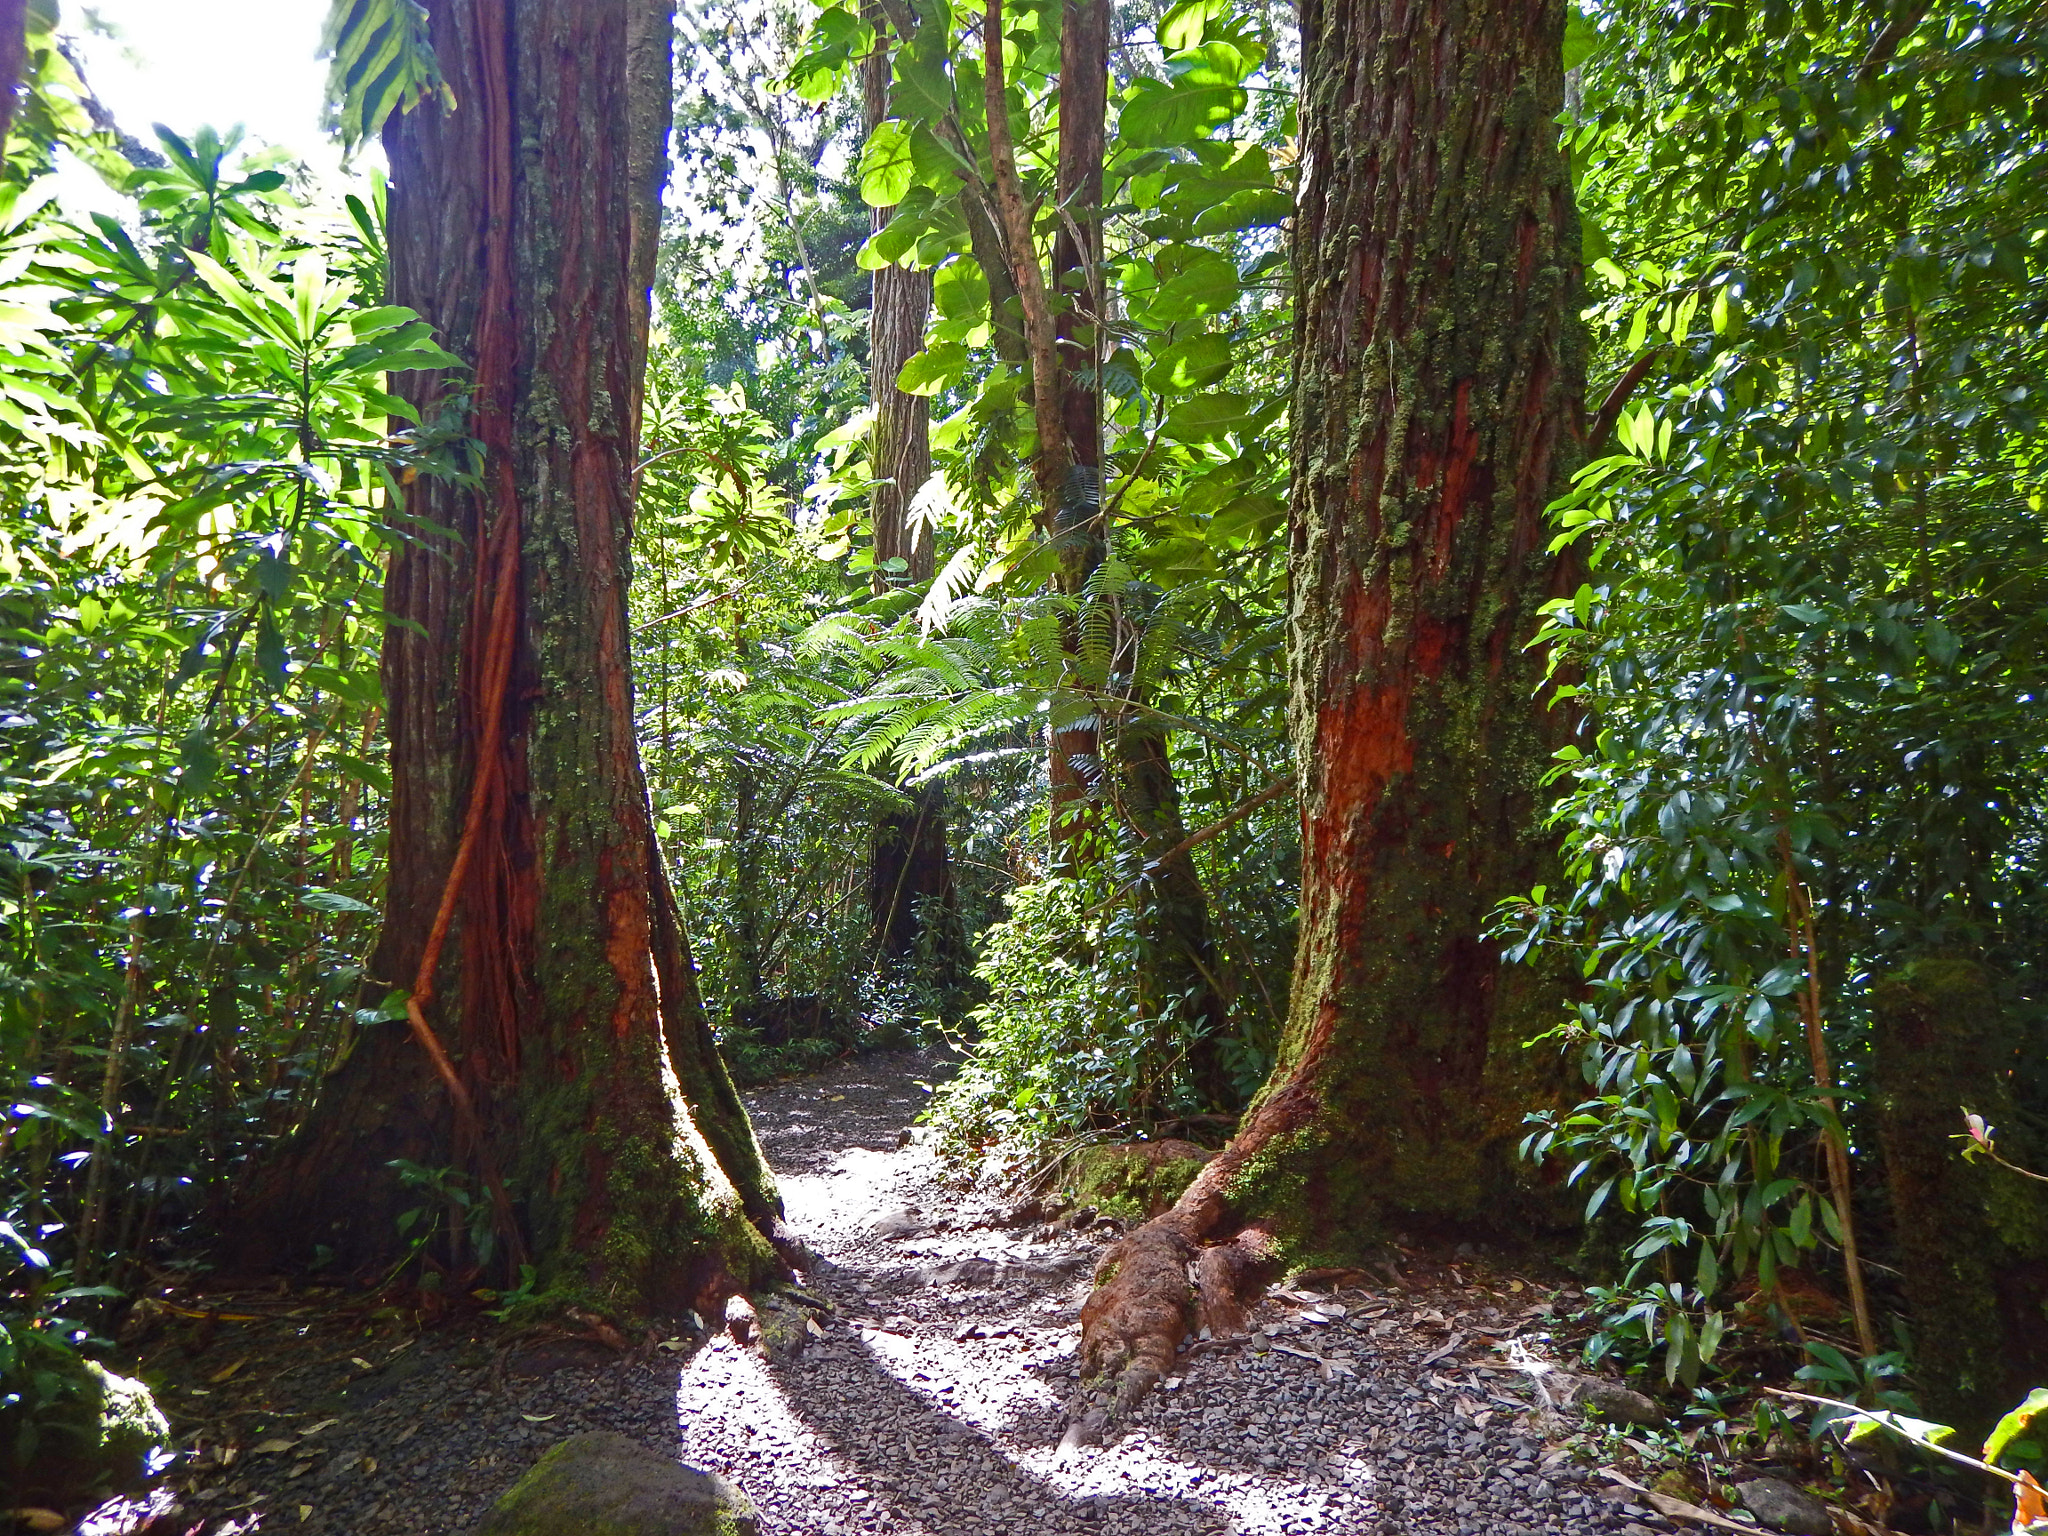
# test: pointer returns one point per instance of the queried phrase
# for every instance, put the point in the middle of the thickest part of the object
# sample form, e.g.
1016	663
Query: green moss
608	1485
1136	1181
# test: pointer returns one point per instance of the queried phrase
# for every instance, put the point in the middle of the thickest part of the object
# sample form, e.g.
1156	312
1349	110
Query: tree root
1145	1302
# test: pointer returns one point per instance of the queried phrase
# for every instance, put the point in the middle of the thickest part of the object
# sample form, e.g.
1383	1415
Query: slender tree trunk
522	226
1439	373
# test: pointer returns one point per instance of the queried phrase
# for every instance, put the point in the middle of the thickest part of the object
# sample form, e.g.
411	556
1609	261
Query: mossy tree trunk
1439	376
1972	1236
521	226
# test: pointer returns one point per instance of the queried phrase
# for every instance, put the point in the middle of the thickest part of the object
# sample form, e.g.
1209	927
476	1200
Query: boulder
1134	1181
1618	1404
606	1485
1782	1507
87	1433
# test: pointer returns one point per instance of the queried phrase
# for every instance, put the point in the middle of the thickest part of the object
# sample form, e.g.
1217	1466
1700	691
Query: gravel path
928	1400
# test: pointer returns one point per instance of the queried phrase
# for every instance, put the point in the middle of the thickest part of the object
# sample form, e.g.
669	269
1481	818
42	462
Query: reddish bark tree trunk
902	453
1439	380
522	226
911	876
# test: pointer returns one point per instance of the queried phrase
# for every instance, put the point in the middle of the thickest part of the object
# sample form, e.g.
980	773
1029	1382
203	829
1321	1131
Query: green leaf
886	167
1193	364
1161	116
923	88
2015	1424
1581	38
381	62
334	901
1257	209
932	369
1184	25
1207	418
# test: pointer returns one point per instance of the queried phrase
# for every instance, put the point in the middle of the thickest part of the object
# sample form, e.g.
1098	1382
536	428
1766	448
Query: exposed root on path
1146	1301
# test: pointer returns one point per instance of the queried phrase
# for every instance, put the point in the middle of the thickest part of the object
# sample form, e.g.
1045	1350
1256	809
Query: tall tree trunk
1177	982
521	225
911	875
1074	744
1439	373
901	449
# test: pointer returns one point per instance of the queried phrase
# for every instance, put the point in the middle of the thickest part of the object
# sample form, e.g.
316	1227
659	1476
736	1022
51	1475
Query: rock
1134	1181
602	1484
98	1432
974	1272
1783	1507
740	1319
784	1327
1619	1404
904	1223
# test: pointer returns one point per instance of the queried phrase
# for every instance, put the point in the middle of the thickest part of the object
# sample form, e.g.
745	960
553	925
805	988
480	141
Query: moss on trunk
1438	383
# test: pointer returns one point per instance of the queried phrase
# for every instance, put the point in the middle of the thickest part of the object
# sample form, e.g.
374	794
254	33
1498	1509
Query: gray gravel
929	1397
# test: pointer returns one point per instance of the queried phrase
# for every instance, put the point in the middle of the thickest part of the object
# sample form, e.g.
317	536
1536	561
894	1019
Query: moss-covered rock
1134	1181
75	1430
608	1485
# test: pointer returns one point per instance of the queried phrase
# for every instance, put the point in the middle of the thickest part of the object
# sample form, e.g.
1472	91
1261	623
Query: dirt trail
928	1399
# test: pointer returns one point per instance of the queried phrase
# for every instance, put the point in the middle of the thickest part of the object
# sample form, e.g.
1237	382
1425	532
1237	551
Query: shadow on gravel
900	1444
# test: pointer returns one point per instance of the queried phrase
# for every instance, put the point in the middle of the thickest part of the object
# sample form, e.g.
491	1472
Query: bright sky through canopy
220	62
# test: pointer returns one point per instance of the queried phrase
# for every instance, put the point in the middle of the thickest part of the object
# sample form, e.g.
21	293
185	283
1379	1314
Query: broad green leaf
932	369
1209	418
1189	365
2015	1424
885	165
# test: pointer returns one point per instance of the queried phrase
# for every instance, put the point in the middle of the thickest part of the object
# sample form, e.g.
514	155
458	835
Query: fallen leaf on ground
228	1370
39	1519
1449	1348
359	1361
537	1418
323	1424
271	1447
305	1513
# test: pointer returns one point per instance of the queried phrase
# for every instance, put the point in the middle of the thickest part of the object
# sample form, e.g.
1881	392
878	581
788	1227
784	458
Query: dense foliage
1811	639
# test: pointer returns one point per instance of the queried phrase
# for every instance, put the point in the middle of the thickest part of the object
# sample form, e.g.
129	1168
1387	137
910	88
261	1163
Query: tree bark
1439	375
1074	517
901	445
522	225
911	884
13	59
911	875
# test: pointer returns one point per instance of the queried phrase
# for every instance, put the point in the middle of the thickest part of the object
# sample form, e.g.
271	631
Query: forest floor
928	1398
